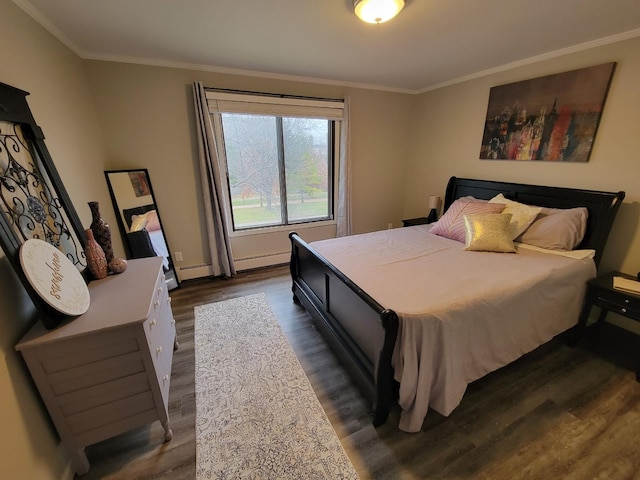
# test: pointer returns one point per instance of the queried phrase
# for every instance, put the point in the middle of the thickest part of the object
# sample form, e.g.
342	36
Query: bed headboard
128	213
602	206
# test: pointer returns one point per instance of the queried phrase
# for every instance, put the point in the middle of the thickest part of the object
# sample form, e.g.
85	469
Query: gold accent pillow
488	232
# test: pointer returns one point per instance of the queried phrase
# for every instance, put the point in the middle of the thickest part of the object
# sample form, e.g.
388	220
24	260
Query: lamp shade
377	11
434	202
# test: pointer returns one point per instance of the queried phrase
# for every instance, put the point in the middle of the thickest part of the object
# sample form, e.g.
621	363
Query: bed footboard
360	331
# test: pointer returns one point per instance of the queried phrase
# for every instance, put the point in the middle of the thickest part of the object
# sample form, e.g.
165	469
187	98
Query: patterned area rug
257	416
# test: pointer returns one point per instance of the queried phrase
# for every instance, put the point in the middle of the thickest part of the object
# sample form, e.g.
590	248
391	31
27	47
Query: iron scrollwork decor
27	199
33	200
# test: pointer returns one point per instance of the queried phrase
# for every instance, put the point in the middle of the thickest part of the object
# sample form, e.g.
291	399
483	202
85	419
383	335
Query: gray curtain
344	177
219	243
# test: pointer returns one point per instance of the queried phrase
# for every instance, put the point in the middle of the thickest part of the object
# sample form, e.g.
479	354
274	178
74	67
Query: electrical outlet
389	226
178	256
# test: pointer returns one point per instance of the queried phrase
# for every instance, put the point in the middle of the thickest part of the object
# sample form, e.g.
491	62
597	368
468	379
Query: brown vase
96	260
101	231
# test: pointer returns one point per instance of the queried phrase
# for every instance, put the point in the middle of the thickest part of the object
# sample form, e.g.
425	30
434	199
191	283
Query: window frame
284	107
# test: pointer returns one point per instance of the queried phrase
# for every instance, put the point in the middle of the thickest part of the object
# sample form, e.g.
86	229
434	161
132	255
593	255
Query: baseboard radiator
247	263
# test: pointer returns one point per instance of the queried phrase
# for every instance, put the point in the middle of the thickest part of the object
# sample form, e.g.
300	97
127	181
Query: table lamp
434	205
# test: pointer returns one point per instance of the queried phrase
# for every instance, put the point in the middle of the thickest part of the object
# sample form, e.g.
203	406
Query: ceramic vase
96	260
117	265
101	231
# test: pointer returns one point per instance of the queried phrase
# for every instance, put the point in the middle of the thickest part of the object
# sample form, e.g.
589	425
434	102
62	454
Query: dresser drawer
160	310
161	348
159	293
160	333
619	303
160	317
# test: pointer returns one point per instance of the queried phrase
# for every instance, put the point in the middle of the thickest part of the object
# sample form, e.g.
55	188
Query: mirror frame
15	109
119	214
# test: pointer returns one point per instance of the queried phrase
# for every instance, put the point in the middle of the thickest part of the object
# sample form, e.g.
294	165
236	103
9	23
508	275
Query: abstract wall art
551	118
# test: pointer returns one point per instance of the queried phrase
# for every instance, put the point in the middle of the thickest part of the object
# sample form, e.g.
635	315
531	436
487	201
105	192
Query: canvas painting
139	183
552	118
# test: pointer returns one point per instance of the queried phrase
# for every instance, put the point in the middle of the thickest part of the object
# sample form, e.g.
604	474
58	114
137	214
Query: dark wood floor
557	413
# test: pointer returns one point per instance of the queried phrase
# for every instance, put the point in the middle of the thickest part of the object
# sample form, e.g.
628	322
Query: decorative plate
54	277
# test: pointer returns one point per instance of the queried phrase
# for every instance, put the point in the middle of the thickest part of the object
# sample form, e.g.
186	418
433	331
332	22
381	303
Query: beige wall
404	148
147	117
447	131
61	103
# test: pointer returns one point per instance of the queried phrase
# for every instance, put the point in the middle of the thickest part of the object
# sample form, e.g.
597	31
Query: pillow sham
521	215
557	229
153	223
488	232
138	222
451	224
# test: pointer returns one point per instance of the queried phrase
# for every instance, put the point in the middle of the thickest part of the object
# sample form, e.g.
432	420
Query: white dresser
107	371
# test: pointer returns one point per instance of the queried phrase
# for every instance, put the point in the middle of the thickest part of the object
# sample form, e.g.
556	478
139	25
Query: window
278	155
279	169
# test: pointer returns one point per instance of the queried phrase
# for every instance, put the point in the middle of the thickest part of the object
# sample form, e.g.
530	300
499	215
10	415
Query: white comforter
462	314
160	246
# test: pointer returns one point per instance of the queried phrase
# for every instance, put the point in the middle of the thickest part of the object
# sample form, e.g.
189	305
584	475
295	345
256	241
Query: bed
145	236
413	322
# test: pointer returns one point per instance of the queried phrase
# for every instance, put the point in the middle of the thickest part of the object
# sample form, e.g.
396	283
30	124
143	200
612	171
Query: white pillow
521	215
557	229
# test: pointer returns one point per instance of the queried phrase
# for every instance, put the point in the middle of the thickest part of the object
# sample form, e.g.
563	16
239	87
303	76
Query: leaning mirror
139	219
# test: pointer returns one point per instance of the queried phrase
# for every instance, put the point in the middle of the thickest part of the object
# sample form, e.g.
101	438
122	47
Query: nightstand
600	293
410	222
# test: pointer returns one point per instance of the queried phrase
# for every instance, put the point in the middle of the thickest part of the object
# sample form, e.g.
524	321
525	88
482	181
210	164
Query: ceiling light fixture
377	11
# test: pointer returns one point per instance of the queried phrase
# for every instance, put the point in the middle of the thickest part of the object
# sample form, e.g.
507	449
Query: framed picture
552	118
139	183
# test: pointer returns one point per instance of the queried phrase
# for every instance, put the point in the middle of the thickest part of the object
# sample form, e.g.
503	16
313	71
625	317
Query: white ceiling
430	43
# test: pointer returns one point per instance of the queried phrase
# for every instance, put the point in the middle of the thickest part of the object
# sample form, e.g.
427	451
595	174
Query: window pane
252	159
306	154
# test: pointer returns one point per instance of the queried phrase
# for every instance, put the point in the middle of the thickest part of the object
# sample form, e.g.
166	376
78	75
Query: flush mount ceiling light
377	11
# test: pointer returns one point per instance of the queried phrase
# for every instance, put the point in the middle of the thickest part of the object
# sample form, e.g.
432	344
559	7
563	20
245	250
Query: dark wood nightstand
600	293
410	222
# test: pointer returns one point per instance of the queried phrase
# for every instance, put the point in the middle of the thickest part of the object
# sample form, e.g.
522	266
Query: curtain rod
274	95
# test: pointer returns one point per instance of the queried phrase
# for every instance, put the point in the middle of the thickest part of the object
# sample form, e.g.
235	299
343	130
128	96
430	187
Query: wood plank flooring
557	413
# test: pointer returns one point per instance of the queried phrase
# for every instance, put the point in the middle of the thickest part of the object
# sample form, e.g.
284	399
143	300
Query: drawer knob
623	310
168	299
173	322
153	322
626	300
158	350
165	378
159	290
156	304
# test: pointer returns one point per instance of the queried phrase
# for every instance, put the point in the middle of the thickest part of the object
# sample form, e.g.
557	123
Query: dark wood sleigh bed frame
363	333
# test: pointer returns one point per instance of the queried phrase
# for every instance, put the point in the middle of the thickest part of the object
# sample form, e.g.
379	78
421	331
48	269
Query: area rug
257	416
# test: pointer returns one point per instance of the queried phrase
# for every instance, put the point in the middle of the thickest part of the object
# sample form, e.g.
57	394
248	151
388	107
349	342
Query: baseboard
203	271
194	271
68	473
263	261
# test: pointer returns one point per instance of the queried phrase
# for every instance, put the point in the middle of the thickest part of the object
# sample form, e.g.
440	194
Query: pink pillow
451	224
153	223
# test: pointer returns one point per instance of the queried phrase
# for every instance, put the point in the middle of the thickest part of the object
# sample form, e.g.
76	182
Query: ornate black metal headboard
33	200
602	206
